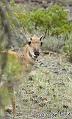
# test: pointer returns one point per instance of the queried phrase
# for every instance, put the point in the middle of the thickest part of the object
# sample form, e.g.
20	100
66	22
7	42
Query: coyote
28	56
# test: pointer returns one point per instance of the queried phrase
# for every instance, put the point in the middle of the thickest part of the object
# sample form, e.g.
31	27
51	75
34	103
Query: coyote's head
34	47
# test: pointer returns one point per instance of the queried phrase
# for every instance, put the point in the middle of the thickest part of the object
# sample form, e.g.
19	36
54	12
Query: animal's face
35	44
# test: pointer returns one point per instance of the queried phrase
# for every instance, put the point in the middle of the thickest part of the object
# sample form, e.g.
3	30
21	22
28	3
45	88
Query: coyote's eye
29	42
41	43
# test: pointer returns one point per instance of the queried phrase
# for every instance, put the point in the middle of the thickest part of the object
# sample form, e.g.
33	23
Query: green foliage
68	47
13	68
23	18
4	96
53	20
37	16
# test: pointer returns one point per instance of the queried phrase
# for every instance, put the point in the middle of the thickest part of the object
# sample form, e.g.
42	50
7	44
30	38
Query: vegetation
9	66
68	47
13	68
53	22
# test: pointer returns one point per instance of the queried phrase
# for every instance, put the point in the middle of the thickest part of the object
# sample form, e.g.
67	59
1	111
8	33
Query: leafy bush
53	20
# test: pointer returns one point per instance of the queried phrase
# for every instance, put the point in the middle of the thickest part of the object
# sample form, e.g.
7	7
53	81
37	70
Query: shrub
13	67
53	44
53	20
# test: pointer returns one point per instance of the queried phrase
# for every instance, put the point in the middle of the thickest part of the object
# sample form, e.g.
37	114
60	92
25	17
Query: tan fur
27	60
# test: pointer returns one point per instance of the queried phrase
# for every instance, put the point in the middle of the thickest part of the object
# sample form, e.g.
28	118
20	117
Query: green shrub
4	96
12	68
53	20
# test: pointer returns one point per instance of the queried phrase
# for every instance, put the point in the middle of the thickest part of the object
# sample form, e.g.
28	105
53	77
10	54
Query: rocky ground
46	93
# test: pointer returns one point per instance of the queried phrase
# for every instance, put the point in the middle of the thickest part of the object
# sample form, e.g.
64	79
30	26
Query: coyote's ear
41	38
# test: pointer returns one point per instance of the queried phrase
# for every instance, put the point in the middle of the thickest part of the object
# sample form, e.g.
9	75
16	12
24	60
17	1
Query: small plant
68	47
12	68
